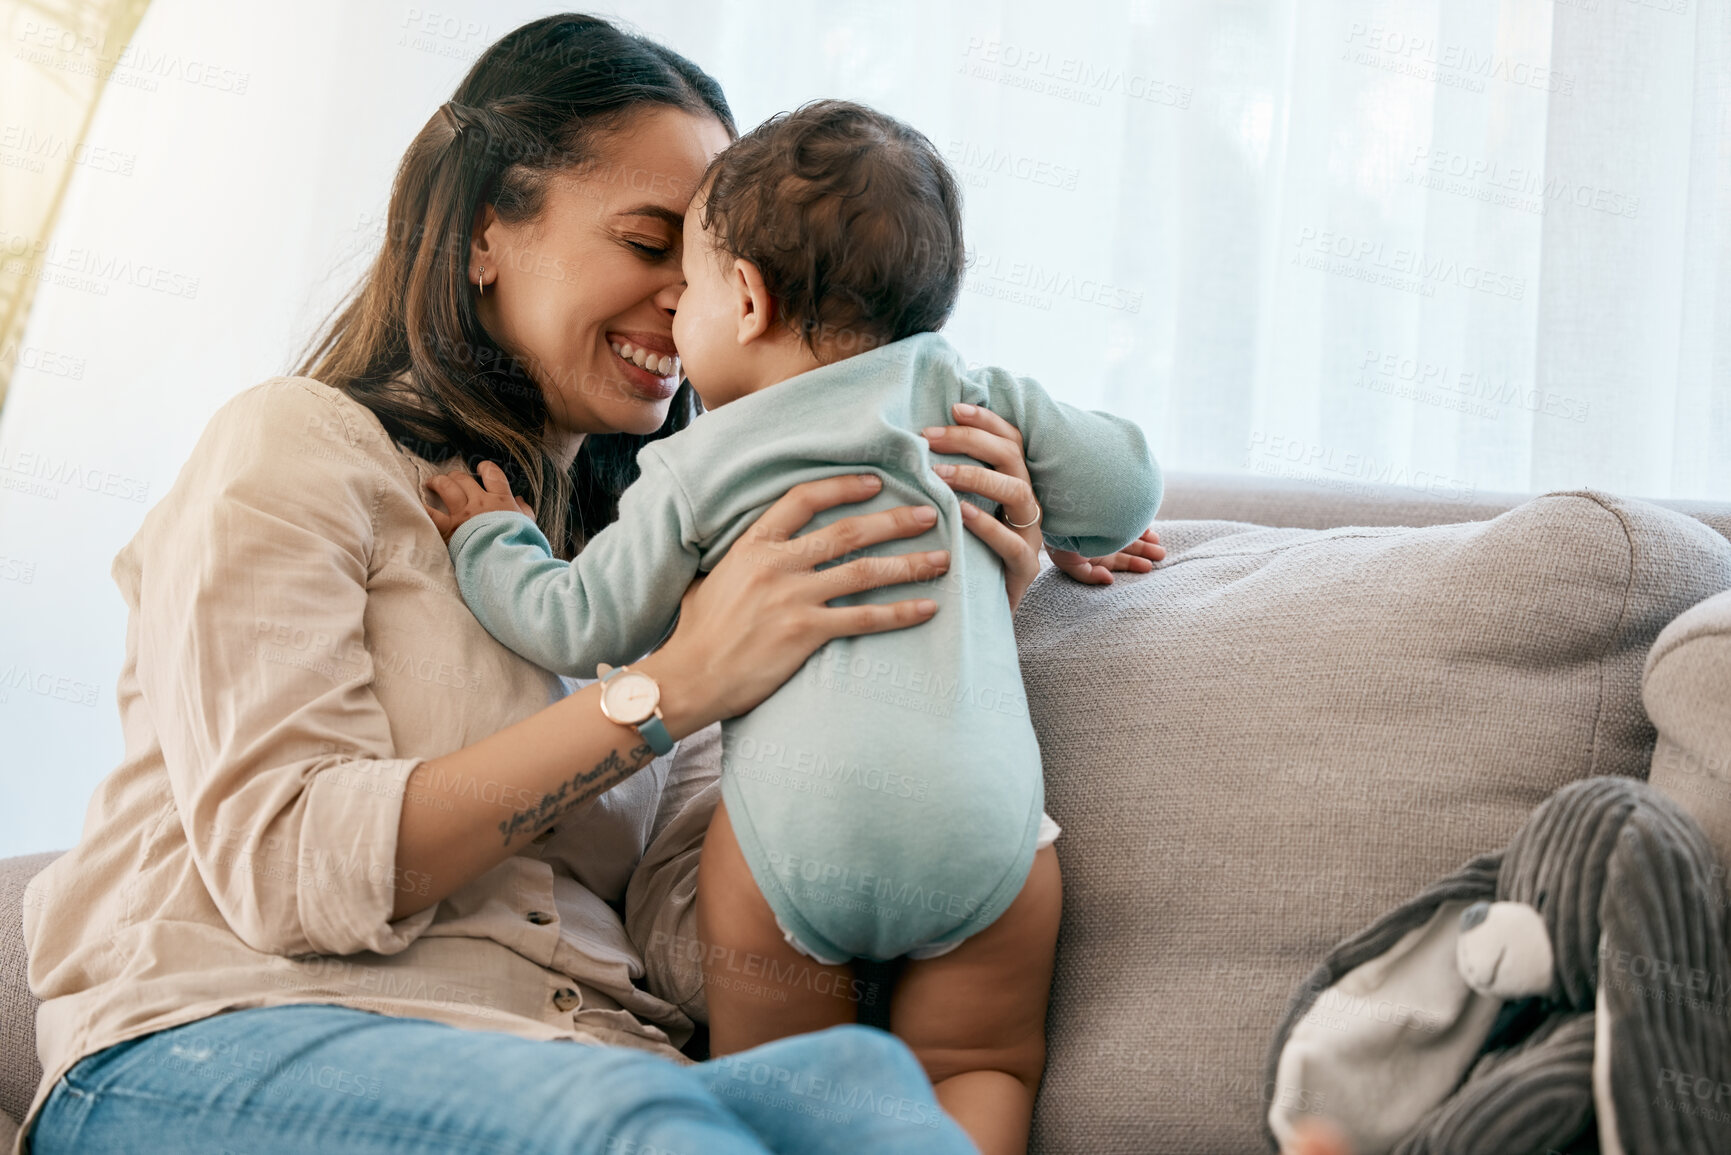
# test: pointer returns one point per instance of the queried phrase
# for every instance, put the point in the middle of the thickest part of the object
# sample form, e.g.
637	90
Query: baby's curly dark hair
852	217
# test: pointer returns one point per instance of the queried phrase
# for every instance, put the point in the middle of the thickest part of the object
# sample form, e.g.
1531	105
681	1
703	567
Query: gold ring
1038	514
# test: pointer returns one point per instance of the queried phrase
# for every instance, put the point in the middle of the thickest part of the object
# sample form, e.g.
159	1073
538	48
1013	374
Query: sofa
1325	698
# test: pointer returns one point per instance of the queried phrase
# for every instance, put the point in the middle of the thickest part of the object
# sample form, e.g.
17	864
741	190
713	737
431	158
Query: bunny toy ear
1384	1029
1662	1059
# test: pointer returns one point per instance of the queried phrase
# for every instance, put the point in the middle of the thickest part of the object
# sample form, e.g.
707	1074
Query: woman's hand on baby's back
464	498
751	622
1004	478
983	435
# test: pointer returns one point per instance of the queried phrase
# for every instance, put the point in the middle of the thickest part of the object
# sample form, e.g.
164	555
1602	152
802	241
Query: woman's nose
668	298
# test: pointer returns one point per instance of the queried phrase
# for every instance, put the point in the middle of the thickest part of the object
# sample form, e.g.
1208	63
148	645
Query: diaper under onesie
888	797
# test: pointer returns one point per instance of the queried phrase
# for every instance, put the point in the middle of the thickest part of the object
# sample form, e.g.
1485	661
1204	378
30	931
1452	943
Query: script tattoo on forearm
575	791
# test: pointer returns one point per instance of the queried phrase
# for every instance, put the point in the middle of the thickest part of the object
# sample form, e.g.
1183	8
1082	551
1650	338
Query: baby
886	802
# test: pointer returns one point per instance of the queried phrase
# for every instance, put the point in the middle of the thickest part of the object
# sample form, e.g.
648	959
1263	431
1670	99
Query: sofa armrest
1687	693
19	1069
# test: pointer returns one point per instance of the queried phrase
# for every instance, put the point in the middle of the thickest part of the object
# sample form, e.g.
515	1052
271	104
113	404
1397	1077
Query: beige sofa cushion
1278	735
1687	691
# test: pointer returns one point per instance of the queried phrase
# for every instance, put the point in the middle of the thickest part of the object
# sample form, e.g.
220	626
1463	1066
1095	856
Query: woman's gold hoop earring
481	279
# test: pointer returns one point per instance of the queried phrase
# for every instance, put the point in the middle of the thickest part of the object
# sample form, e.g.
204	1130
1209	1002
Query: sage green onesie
888	796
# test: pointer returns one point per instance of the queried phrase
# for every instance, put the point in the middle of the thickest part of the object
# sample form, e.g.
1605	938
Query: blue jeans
315	1077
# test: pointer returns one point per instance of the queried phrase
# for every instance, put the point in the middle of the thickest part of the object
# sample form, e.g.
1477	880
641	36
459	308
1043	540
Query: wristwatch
632	698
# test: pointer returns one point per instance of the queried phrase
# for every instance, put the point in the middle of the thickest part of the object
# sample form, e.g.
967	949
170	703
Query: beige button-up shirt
295	646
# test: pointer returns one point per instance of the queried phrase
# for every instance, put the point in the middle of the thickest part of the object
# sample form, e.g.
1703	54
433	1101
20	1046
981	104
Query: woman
361	865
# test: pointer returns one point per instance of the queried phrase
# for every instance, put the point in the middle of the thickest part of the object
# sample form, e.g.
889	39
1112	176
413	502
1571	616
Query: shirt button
539	918
566	999
544	835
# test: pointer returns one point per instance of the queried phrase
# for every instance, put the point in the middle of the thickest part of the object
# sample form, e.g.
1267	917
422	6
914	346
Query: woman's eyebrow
659	212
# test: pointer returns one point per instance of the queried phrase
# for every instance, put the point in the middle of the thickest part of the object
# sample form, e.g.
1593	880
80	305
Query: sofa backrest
1303	504
1280	734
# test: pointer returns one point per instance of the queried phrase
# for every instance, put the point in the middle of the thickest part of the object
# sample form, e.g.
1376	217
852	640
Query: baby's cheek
687	342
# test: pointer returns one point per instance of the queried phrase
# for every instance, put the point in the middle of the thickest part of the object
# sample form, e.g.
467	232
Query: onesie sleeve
1096	480
611	603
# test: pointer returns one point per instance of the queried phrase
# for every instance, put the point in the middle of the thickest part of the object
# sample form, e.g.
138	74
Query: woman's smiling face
584	293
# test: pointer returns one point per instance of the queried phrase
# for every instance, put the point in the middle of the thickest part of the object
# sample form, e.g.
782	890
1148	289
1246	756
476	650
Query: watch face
631	698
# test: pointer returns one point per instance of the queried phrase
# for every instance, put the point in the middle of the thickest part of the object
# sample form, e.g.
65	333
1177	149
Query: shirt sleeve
251	660
611	603
1096	480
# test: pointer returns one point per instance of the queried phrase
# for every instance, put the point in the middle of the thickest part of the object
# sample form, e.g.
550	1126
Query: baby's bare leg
976	1017
758	987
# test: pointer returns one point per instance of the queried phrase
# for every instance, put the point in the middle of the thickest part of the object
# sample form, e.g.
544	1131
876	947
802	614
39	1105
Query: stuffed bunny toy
1571	993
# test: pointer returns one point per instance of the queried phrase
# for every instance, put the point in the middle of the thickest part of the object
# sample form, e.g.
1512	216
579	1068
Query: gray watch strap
655	734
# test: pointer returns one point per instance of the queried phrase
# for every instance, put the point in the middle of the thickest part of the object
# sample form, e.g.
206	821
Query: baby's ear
755	307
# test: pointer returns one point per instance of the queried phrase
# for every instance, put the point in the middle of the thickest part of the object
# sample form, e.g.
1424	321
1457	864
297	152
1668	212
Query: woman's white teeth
644	359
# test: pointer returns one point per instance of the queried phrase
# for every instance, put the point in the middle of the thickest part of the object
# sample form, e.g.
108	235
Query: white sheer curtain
1456	245
1459	245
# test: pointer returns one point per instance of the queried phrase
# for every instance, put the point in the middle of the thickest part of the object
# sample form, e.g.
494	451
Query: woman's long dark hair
531	105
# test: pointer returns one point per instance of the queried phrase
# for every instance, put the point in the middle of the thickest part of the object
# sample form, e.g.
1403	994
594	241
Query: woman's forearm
466	811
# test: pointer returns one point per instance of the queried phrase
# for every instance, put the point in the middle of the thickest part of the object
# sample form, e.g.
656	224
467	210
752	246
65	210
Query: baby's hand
1137	557
464	499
